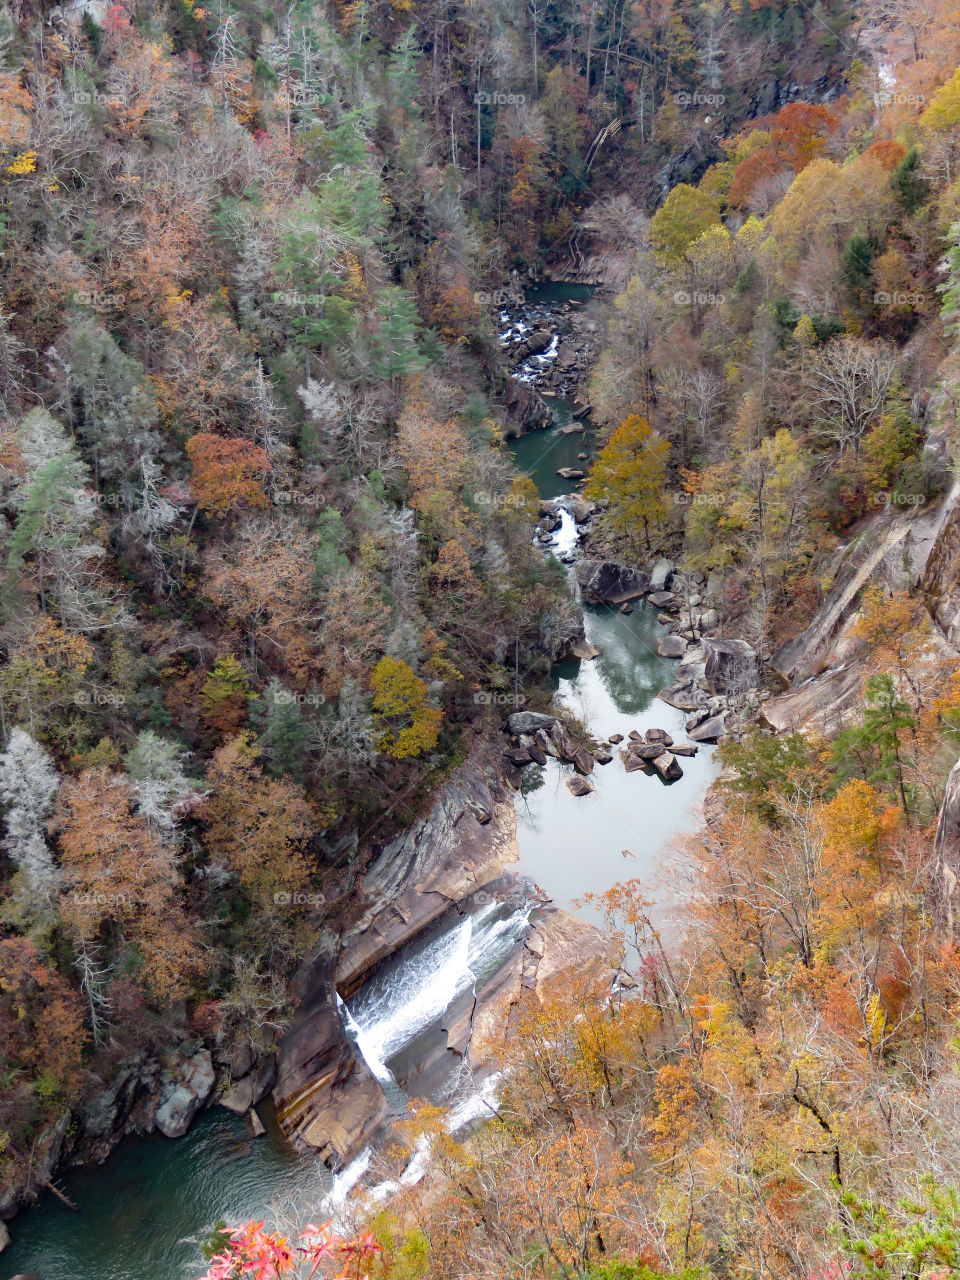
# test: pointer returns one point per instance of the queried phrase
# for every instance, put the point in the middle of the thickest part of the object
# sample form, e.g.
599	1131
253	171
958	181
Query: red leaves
266	1255
226	473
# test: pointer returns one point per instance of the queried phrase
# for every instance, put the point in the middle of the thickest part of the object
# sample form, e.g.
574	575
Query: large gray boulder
660	574
667	767
710	730
732	666
607	582
519	722
185	1087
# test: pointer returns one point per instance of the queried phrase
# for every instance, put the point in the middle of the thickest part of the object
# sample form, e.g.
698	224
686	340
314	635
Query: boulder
671	646
603	755
248	1091
538	341
709	619
547	743
255	1125
659	735
526	409
665	600
583	649
570	473
616	738
184	1088
648	750
579	786
660	573
732	666
667	767
710	730
684	749
684	694
519	722
518	756
632	762
583	761
582	510
607	582
4	1236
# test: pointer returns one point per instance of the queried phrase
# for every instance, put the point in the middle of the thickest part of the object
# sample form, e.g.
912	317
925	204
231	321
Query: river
144	1211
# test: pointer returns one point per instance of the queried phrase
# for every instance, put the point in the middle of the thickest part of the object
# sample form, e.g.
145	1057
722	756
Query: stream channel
143	1213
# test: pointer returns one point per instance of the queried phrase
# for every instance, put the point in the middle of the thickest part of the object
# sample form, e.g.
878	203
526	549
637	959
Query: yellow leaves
410	725
24	162
858	819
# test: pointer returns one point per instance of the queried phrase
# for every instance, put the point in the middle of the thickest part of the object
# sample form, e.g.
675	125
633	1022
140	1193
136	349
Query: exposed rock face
184	1087
462	844
607	582
900	550
946	852
325	1095
731	666
527	411
826	703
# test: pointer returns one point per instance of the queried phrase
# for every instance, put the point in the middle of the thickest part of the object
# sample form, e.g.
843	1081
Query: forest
270	579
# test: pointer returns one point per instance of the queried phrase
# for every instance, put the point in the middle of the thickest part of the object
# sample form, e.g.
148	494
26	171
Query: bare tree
846	383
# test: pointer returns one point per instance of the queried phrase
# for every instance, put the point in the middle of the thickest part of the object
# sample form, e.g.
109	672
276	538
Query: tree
121	889
227	474
874	749
409	725
685	214
848	381
257	827
28	788
630	473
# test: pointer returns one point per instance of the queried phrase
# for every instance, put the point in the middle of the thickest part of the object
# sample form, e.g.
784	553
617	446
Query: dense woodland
252	413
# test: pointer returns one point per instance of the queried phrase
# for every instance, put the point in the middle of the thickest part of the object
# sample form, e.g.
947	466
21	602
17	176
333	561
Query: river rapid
143	1213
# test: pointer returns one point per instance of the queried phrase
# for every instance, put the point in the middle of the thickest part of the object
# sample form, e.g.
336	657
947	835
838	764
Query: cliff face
946	852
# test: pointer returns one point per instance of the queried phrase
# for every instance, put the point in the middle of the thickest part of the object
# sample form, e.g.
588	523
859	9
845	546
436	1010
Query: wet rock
632	762
582	510
710	730
255	1124
603	755
648	750
671	646
732	666
660	573
615	738
583	649
525	408
667	767
665	600
570	473
248	1091
522	722
635	735
607	582
184	1088
583	761
684	749
659	735
538	341
626	608
579	786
